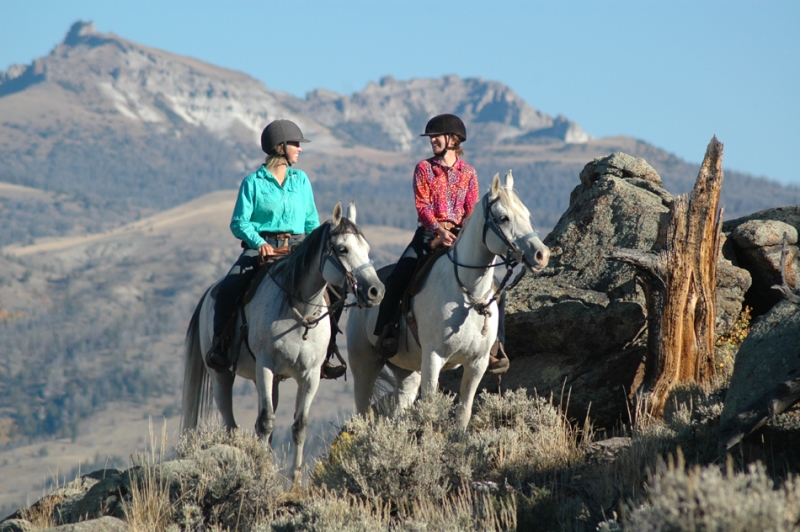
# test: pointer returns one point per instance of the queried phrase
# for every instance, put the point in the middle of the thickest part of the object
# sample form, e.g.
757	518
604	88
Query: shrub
516	437
706	498
227	479
414	455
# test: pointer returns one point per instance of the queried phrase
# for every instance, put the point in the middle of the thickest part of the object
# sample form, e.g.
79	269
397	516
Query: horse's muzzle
369	295
537	258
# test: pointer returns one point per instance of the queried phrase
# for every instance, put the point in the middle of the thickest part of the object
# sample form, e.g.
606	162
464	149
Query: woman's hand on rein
265	251
448	238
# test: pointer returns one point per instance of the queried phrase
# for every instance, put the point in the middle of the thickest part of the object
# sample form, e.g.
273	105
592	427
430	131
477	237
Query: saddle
414	287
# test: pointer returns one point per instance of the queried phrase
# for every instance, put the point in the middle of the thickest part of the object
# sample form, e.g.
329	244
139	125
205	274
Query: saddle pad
415	287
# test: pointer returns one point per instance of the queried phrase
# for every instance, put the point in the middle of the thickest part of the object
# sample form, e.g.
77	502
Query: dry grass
149	508
233	483
42	515
429	471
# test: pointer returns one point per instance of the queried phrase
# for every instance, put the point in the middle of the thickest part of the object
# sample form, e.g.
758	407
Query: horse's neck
469	250
312	288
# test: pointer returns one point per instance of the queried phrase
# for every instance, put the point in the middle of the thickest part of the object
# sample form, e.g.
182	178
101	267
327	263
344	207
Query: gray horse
455	315
288	328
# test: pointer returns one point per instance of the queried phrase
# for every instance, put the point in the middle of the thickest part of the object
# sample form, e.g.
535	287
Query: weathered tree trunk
680	279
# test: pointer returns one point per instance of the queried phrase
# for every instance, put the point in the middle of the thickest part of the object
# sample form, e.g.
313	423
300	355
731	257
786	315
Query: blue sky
671	73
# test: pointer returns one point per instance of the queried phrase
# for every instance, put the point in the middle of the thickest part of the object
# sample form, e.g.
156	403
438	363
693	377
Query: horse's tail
195	377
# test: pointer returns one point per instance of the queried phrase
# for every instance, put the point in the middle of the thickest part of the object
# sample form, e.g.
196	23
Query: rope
482	305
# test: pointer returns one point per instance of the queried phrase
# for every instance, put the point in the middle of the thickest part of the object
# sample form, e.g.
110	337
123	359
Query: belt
278	240
449	225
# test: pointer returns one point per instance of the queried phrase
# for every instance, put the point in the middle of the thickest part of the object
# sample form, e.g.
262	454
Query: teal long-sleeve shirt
265	206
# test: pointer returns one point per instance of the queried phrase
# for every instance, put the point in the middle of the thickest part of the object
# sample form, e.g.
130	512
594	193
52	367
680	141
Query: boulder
102	497
732	285
577	330
768	356
756	245
15	525
102	524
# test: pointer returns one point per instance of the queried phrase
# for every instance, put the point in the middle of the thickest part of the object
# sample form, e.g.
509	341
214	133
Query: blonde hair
276	157
457	149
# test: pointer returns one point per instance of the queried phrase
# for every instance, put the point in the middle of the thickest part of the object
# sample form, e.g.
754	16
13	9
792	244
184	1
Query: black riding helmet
280	132
447	125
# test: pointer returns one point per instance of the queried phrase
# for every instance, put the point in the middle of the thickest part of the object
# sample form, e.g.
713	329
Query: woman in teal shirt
274	210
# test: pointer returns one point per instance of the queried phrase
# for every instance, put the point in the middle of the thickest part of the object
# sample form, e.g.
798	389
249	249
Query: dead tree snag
680	276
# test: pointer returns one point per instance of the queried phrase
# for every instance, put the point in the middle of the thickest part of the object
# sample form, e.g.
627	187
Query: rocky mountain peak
390	114
79	32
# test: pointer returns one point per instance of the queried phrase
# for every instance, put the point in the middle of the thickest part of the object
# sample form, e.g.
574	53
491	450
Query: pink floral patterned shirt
444	194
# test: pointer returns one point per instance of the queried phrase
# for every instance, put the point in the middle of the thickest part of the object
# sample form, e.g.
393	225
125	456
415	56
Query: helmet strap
286	154
446	147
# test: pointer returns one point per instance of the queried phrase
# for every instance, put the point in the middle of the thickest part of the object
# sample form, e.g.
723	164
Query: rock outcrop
577	330
768	356
755	244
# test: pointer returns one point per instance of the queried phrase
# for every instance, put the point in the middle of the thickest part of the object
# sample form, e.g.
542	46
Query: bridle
481	305
491	222
328	254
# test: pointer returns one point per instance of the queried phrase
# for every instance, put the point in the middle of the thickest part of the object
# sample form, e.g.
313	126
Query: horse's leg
222	384
469	385
306	390
431	367
365	364
265	422
407	386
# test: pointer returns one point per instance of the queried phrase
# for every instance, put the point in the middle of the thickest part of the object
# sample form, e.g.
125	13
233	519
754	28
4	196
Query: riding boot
328	370
229	291
396	285
498	360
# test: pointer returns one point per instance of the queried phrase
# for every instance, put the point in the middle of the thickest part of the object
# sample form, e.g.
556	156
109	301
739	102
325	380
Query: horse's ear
509	180
495	185
336	219
351	211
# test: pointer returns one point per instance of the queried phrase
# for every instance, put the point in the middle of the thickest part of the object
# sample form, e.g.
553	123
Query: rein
351	286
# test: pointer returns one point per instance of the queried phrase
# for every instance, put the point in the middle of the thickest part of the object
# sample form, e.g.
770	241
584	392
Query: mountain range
117	131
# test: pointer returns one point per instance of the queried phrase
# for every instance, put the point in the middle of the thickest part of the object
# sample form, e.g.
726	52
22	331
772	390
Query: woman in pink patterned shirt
445	192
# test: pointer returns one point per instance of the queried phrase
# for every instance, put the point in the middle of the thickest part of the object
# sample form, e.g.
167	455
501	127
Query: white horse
288	328
454	326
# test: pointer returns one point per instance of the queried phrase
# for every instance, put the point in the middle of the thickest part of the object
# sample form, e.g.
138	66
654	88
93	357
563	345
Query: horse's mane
510	199
512	202
293	269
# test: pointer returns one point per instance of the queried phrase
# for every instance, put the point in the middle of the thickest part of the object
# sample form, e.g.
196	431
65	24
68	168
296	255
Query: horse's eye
343	250
504	219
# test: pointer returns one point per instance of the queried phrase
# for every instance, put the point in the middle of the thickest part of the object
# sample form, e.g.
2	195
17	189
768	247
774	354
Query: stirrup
216	358
328	370
498	360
